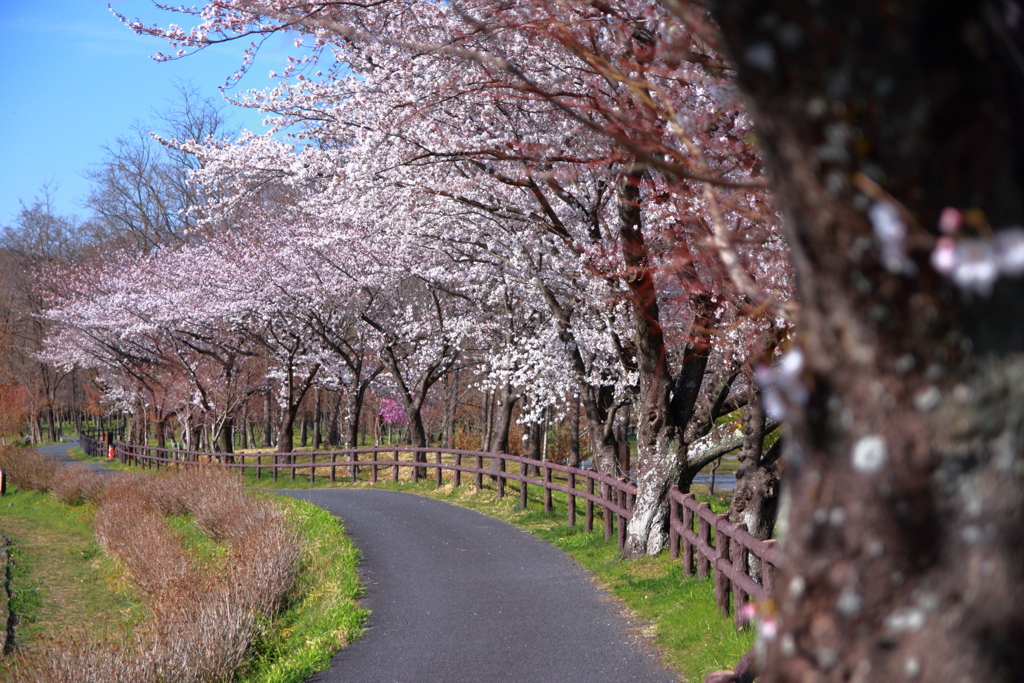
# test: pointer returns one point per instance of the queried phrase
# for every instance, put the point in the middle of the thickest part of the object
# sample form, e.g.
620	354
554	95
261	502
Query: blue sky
75	78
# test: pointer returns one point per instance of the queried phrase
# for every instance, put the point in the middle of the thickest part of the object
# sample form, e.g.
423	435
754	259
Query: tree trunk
286	431
663	409
504	405
333	433
161	432
756	495
227	439
905	467
355	414
268	419
486	426
318	417
574	431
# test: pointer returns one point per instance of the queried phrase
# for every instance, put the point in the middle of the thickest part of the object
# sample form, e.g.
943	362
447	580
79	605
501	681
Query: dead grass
26	469
203	623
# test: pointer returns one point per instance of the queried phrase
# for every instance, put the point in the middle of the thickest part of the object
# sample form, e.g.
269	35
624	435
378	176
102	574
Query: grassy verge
322	614
62	579
82	610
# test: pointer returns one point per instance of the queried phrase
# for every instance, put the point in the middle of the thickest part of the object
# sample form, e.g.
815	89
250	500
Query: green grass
203	550
62	579
323	614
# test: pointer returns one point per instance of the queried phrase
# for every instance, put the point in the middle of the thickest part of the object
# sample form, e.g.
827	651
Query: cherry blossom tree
598	182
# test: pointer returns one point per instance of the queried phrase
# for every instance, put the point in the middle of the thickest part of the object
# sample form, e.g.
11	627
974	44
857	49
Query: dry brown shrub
264	549
132	529
74	484
73	659
28	470
163	493
202	625
201	635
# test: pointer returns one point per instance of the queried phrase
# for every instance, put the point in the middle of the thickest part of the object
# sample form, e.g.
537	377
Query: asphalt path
59	453
723	482
459	597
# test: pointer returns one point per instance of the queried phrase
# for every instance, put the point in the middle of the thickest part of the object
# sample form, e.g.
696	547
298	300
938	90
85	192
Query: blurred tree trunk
905	466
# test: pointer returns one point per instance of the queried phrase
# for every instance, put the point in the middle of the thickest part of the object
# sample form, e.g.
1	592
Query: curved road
459	597
59	452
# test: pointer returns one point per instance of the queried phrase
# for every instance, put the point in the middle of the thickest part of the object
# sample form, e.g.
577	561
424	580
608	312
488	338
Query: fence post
741	564
394	468
673	515
547	489
524	470
768	571
437	470
312	468
277	461
501	479
571	485
334	461
373	467
354	468
457	473
414	469
621	519
589	506
479	473
606	494
688	524
722	556
704	536
292	461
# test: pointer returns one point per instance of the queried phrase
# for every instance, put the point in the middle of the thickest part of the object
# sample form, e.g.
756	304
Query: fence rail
743	566
92	445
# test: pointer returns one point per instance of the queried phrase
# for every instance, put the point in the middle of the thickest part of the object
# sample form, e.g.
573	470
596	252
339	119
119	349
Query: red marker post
110	452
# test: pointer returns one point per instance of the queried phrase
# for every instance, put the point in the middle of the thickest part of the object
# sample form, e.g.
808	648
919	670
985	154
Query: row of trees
589	227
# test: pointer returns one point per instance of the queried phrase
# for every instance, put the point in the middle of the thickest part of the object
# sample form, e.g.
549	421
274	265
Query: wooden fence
93	444
743	567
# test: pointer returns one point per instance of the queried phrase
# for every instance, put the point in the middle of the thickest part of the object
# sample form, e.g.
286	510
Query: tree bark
318	417
227	439
664	405
574	431
161	432
333	433
268	418
504	404
755	498
905	467
356	410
